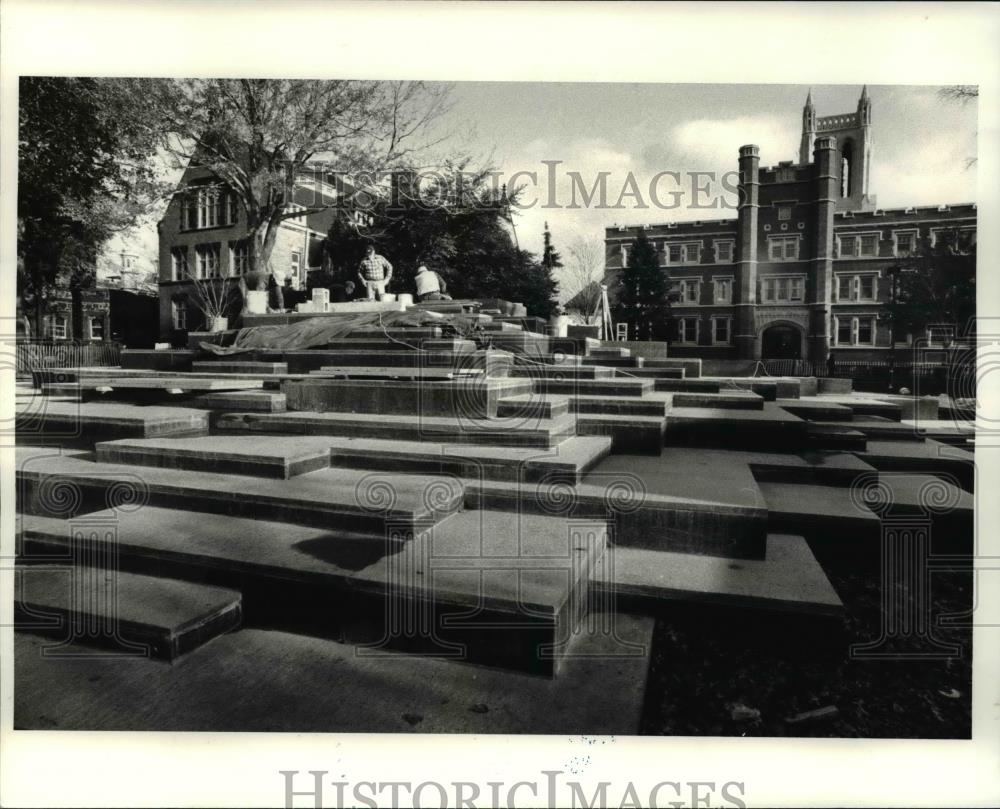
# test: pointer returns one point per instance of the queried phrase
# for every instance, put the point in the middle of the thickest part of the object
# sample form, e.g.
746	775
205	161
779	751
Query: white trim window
682	253
722	330
178	313
687	330
854	330
239	257
782	248
904	242
966	236
940	335
784	213
857	288
207	260
722	289
296	265
725	251
690	291
96	327
782	288
179	263
858	245
207	207
56	327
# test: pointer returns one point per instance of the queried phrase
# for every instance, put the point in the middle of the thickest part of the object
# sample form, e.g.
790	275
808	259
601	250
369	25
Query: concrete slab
318	685
835	385
87	422
492	587
157	360
562	372
829	468
768	428
281	457
594	387
652	404
691	365
569	461
874	427
629	434
500	431
385	345
864	405
819	511
816	409
239	367
742	400
789	579
529	405
138	614
244	401
327	498
651	373
929	457
832	436
687	385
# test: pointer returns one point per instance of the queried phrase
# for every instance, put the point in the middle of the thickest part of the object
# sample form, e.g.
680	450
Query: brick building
203	235
805	266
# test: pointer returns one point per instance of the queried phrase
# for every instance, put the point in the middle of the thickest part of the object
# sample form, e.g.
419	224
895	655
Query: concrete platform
687	385
831	436
816	409
628	433
318	685
386	345
158	360
500	431
563	372
83	423
532	406
789	579
326	498
691	365
239	367
281	457
484	586
825	467
243	401
863	405
650	373
884	429
140	615
747	400
929	457
652	404
568	462
768	428
594	387
826	512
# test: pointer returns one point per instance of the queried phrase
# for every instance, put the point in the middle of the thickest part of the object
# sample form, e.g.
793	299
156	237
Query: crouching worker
375	273
430	285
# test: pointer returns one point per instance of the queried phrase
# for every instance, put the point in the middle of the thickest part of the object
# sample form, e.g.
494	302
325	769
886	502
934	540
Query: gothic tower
852	133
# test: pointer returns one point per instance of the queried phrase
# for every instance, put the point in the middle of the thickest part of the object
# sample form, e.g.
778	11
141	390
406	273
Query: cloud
713	143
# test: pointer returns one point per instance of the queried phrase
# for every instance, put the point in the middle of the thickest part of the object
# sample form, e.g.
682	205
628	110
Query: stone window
783	248
861	287
720	330
855	330
690	291
869	245
96	328
179	263
905	242
686	253
178	311
207	207
207	260
296	265
723	290
782	289
784	213
239	257
57	327
687	330
724	252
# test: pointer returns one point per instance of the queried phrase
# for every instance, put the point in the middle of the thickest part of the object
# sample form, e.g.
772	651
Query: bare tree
961	94
582	276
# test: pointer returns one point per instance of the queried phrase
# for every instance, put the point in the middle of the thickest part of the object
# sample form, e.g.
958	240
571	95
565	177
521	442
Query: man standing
375	273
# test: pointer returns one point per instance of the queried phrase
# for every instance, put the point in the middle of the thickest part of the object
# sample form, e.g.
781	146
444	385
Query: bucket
406	299
388	297
559	325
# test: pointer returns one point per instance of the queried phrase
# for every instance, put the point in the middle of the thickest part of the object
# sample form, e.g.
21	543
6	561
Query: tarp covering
316	332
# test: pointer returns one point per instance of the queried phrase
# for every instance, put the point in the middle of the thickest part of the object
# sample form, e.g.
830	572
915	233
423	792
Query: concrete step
927	457
531	406
886	429
691	365
861	405
84	423
652	404
830	513
651	373
788	579
598	353
234	367
471	398
318	685
614	362
158	360
815	409
629	434
139	615
562	372
594	387
326	498
824	467
686	385
280	457
741	400
458	430
350	344
567	462
243	401
768	428
770	389
306	361
650	502
489	587
835	436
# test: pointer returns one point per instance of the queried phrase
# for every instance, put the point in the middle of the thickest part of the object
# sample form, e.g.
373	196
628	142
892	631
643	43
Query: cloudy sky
921	146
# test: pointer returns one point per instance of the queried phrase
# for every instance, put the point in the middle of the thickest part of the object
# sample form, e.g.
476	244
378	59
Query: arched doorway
781	342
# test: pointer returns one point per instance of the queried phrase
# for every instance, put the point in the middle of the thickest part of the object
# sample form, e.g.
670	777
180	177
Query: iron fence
32	355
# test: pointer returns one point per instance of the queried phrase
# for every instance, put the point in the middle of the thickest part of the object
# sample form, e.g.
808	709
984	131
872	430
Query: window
208	260
858	245
296	264
961	238
855	330
231	203
690	291
862	287
869	245
720	330
940	334
57	327
783	248
905	242
784	175
723	290
724	252
782	289
179	313
624	255
179	263
848	247
207	207
784	213
689	253
239	257
96	328
687	330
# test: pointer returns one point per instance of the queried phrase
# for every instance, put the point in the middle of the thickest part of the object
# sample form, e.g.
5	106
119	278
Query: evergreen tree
642	292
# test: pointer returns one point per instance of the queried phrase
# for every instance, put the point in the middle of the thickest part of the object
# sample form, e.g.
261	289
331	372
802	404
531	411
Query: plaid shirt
375	268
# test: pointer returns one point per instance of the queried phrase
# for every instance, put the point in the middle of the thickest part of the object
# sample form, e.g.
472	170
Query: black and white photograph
533	419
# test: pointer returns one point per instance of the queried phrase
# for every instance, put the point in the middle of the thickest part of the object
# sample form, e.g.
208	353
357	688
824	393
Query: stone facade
803	268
